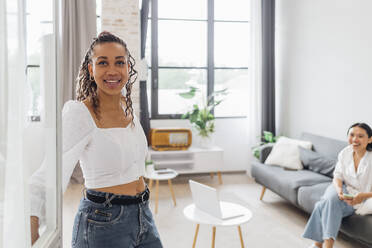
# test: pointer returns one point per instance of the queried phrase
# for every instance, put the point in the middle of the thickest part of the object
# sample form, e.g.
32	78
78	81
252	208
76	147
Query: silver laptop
206	199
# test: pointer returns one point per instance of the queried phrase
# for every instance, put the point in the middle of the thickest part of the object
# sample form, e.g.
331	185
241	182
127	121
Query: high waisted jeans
103	225
325	220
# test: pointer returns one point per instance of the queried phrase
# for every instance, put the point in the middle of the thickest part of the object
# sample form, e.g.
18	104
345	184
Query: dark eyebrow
117	57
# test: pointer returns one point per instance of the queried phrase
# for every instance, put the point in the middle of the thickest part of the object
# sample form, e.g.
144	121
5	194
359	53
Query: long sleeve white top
355	181
108	156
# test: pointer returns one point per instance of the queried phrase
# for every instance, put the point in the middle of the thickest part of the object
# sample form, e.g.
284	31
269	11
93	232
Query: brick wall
122	17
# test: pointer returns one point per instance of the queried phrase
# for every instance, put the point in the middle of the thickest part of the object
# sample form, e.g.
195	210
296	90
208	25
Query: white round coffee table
200	217
157	175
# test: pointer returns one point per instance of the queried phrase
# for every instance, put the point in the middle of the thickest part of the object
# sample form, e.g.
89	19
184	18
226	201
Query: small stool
157	175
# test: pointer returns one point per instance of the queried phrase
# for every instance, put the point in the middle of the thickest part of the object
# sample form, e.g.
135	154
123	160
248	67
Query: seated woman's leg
332	212
326	217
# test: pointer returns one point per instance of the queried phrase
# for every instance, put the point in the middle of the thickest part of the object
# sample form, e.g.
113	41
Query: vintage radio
165	139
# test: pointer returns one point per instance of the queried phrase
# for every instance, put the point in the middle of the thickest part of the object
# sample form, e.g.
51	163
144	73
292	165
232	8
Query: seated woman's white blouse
355	181
108	156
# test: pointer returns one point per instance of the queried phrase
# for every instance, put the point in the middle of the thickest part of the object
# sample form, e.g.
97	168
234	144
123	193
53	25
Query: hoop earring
91	78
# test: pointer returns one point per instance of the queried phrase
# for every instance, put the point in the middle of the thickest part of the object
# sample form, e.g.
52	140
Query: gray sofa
303	188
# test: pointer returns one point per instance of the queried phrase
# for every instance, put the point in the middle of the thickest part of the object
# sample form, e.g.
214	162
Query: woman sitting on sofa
352	185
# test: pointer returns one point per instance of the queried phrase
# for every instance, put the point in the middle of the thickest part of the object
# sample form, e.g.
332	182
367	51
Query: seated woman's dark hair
365	127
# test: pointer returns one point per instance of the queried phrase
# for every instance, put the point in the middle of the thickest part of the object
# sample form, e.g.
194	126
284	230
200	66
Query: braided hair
368	131
86	87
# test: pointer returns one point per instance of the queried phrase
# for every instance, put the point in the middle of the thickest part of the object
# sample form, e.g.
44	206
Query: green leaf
268	136
190	94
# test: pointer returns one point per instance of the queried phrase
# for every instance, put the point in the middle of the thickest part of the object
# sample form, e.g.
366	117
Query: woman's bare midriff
132	188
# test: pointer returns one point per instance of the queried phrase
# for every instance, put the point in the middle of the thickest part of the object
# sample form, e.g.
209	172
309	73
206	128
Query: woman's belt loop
84	192
108	200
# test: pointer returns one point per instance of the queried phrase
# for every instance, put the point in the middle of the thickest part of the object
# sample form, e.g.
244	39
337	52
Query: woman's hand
357	199
341	195
34	229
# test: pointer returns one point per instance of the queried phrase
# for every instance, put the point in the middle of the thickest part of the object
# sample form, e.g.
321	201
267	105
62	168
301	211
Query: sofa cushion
324	145
317	162
285	182
309	195
358	227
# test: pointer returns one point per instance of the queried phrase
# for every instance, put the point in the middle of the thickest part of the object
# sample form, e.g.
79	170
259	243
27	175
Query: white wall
324	65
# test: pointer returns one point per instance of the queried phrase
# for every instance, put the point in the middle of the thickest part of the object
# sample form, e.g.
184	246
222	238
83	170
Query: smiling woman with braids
102	132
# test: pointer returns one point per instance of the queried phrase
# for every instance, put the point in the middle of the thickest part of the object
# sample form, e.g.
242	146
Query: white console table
191	161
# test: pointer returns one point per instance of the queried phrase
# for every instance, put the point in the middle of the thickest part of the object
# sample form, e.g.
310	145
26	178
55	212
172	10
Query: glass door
29	122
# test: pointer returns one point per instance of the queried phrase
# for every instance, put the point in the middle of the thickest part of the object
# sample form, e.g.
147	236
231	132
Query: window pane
98	7
183	9
33	79
99	25
174	81
232	10
99	14
148	44
232	44
235	102
39	24
148	87
182	43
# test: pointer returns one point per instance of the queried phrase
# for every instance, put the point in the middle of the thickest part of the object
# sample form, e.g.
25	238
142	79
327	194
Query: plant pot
205	142
150	168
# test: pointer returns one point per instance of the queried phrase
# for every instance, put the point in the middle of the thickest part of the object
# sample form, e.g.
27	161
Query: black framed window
200	43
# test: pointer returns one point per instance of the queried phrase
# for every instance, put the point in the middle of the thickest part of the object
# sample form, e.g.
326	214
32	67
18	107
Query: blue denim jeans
325	220
101	225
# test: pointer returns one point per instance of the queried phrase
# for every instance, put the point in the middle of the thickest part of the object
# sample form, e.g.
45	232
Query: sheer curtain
255	85
16	217
3	108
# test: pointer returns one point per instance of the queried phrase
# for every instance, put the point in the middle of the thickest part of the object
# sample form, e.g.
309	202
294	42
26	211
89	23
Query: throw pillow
317	162
285	153
365	208
301	143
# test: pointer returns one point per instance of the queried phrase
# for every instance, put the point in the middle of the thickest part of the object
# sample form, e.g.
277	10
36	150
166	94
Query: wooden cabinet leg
219	177
241	237
156	196
196	235
172	192
262	192
213	236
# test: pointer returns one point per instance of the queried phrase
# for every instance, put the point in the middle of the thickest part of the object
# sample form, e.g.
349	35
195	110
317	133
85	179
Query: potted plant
268	137
202	117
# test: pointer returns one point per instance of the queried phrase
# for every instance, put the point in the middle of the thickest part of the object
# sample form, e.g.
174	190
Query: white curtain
16	217
3	108
255	70
78	29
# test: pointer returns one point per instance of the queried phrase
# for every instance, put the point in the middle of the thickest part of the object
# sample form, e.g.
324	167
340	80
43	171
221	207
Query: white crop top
108	156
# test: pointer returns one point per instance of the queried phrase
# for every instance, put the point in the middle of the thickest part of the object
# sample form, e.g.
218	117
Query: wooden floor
275	223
